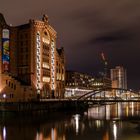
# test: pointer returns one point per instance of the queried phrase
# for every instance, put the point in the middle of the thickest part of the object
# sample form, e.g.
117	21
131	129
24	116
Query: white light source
4	133
4	95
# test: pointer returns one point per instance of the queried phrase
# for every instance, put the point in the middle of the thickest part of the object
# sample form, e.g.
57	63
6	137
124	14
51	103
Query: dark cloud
86	28
113	37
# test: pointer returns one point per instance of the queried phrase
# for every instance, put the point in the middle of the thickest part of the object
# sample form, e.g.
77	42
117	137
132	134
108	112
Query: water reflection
76	122
114	111
4	133
53	134
106	136
98	123
114	130
108	122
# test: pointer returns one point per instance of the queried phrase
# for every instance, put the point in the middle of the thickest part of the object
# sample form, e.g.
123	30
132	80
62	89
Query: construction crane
105	64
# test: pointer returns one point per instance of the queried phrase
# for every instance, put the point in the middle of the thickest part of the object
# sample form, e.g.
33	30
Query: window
45	33
21	36
14	87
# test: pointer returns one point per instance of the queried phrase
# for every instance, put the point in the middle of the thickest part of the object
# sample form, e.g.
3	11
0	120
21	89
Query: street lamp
4	95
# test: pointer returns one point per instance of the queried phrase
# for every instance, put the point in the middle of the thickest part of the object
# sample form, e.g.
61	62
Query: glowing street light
4	95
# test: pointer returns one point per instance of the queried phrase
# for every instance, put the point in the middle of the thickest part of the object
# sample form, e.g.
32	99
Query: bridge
110	95
100	96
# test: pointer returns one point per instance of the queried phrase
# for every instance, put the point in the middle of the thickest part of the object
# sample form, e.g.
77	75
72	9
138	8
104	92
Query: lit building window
38	70
46	65
46	79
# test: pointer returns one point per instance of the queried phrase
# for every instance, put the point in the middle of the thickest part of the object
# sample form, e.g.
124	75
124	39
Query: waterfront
119	121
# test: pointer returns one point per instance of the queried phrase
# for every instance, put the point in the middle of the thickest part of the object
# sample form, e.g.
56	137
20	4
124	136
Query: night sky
86	28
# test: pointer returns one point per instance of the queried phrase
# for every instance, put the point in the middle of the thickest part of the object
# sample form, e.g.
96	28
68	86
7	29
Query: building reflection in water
107	112
114	111
51	136
37	136
77	122
106	136
114	130
98	123
106	122
4	133
132	105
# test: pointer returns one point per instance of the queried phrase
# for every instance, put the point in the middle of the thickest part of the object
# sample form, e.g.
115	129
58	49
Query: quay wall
42	106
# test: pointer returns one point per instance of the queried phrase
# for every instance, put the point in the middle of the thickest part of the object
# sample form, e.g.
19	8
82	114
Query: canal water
119	121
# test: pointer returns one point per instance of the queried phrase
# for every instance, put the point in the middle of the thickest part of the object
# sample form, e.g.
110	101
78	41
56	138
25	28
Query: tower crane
105	64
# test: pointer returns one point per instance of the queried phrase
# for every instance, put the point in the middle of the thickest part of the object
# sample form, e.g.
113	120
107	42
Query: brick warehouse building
31	66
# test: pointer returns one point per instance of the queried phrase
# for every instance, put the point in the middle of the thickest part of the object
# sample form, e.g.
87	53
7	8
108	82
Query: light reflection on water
115	111
76	122
119	121
115	130
4	133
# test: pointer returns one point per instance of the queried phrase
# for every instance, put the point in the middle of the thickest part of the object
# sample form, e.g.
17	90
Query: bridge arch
110	93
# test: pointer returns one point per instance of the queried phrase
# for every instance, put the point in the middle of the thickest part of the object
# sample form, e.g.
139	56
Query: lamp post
4	97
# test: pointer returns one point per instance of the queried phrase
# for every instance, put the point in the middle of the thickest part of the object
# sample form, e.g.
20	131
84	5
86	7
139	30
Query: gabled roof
2	20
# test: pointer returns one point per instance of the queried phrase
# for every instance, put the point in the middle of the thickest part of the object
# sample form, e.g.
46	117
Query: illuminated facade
78	83
103	82
119	77
31	64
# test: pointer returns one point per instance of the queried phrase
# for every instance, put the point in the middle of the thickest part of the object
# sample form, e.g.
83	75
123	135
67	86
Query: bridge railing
111	94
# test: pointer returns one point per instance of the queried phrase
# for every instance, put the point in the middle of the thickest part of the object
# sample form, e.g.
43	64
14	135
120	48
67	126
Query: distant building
102	83
78	83
119	77
31	66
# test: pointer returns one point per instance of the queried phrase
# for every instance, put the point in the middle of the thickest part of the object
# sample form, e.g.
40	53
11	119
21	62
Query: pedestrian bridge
110	94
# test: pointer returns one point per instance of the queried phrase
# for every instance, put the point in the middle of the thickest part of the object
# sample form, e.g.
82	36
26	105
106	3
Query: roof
24	26
2	20
60	50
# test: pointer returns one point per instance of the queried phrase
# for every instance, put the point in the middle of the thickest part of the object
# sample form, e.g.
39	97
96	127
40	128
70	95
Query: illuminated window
46	65
46	79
